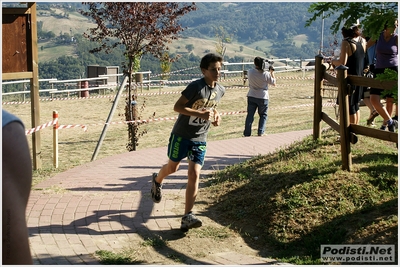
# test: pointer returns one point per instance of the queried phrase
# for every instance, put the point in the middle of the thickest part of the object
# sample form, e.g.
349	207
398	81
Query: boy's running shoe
156	189
190	221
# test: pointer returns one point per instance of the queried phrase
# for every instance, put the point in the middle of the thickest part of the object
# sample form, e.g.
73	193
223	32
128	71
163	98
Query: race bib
196	121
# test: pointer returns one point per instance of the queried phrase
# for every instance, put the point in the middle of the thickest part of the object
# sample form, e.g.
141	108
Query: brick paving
105	204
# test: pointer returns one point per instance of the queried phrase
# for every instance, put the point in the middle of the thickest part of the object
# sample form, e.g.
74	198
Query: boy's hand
208	115
217	119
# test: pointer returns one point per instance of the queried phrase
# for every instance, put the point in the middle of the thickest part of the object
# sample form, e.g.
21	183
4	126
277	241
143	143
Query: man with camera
257	98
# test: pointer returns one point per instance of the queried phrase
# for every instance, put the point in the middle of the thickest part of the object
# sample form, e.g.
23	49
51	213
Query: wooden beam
370	82
16	11
17	75
374	133
35	107
319	72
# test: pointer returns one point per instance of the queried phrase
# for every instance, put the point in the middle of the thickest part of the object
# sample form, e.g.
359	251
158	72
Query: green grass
50	52
111	258
299	40
156	242
217	234
298	198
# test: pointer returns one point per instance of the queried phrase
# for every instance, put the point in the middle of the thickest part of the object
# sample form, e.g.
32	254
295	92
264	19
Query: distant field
203	45
76	23
300	39
50	53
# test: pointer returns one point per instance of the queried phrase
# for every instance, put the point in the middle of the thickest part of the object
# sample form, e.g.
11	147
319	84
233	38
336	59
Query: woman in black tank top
352	55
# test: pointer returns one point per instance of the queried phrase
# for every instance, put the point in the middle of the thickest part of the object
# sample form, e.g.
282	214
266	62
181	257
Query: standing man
258	97
197	111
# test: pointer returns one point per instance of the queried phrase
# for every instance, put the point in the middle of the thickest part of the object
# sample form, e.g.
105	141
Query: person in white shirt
258	97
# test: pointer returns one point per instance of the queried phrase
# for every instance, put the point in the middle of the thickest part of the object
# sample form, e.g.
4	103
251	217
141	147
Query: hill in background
256	29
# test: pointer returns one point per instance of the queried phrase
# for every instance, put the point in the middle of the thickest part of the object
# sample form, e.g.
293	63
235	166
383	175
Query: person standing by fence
16	187
257	96
352	55
386	58
197	111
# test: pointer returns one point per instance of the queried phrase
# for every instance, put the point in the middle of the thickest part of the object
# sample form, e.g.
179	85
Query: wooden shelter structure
20	60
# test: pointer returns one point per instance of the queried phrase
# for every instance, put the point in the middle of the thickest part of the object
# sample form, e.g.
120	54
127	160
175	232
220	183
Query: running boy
196	108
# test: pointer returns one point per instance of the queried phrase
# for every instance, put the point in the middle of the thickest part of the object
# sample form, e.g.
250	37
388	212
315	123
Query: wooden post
148	87
344	117
84	84
35	107
318	97
55	139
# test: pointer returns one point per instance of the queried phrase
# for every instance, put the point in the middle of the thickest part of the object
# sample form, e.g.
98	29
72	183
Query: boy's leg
196	157
189	220
157	179
166	170
192	185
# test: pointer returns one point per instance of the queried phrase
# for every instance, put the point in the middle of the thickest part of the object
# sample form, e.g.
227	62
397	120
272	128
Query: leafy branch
389	75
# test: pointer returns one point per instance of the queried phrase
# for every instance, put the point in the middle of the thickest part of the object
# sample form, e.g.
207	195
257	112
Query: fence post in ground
55	139
344	120
110	115
148	76
318	97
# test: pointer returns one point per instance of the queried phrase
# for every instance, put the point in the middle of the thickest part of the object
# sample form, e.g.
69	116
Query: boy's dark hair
210	58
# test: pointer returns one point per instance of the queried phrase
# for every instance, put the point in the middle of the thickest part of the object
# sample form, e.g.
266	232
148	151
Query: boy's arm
217	118
180	107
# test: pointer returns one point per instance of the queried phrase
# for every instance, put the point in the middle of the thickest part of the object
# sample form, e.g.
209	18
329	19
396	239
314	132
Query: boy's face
213	72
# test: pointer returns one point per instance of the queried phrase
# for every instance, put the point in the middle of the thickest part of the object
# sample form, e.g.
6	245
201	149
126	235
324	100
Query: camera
268	65
264	64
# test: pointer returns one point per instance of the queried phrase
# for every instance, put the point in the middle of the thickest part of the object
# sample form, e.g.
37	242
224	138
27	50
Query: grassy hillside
77	24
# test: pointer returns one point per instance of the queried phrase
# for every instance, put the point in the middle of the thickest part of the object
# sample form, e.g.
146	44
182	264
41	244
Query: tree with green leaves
372	15
165	65
141	28
222	39
189	47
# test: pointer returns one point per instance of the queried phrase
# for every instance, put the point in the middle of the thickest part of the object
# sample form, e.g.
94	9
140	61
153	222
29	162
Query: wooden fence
348	132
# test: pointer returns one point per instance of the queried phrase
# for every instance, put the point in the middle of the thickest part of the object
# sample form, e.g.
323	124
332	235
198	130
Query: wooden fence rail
348	132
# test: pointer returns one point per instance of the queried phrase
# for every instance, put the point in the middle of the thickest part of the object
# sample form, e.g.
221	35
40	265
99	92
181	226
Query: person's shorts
180	148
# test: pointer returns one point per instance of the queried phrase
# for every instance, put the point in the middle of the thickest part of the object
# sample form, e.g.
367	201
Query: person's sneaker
190	221
395	118
156	193
392	127
383	128
370	120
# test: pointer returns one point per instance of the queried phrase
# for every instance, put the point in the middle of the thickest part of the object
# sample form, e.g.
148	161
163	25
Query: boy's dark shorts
180	148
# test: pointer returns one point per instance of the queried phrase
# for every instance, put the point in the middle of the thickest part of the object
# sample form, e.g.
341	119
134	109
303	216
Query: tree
222	39
373	15
142	28
189	47
165	65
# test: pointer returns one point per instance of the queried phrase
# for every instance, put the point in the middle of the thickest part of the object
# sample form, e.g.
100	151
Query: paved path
103	204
